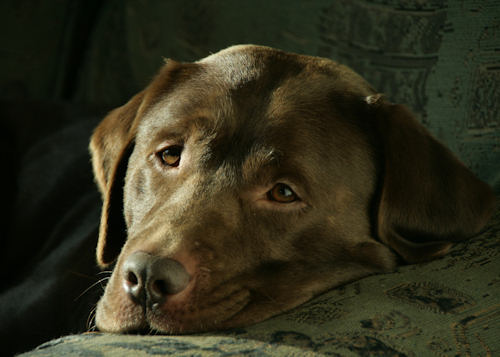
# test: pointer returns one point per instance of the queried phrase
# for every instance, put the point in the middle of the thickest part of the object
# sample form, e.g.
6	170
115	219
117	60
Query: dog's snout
150	279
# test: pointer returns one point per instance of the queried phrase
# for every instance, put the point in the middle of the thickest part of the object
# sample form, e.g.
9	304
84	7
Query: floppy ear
428	198
110	147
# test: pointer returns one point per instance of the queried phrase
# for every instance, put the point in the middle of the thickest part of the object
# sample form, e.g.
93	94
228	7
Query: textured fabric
448	307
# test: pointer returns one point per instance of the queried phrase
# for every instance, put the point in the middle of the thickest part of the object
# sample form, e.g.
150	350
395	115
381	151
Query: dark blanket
49	235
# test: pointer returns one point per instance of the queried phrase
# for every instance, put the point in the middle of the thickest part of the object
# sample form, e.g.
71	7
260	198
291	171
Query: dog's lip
190	320
179	315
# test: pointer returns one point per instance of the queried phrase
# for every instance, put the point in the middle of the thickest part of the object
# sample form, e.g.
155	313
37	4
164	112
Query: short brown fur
376	189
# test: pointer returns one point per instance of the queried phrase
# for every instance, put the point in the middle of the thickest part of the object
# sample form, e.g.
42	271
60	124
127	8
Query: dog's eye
171	156
282	193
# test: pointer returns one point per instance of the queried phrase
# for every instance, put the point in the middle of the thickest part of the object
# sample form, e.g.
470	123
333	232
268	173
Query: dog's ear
110	148
428	199
109	140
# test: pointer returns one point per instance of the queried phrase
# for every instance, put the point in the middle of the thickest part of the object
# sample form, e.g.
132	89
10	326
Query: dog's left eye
171	155
282	193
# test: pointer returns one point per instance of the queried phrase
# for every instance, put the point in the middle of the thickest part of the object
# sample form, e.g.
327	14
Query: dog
242	185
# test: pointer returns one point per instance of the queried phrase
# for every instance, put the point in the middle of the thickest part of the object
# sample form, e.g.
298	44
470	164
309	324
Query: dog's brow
181	126
259	159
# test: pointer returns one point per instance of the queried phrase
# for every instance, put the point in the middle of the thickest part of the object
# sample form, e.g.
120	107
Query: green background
442	58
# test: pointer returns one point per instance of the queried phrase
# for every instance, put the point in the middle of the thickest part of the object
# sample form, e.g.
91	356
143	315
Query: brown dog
242	185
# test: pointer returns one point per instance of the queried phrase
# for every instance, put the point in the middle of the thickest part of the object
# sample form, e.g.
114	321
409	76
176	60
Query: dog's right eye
170	156
282	193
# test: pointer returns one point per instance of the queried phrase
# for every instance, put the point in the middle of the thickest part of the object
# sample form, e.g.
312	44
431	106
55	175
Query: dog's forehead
234	66
245	91
241	63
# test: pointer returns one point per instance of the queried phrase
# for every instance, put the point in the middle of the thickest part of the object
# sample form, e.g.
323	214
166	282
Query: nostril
135	274
167	277
132	278
158	290
160	287
133	286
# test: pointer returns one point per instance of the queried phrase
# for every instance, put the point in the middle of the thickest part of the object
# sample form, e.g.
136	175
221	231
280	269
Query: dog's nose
149	278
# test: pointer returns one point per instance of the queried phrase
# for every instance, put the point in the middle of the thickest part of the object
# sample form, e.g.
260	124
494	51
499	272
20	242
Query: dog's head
242	185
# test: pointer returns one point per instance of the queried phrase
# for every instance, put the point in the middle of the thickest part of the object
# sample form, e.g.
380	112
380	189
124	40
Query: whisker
91	287
91	325
105	272
103	286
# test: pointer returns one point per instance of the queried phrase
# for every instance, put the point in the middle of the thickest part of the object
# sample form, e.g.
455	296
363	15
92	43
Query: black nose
150	279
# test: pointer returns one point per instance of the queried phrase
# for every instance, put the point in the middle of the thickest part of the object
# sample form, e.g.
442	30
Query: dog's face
242	185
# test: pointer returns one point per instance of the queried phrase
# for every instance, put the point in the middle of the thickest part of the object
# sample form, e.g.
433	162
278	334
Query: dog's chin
177	316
